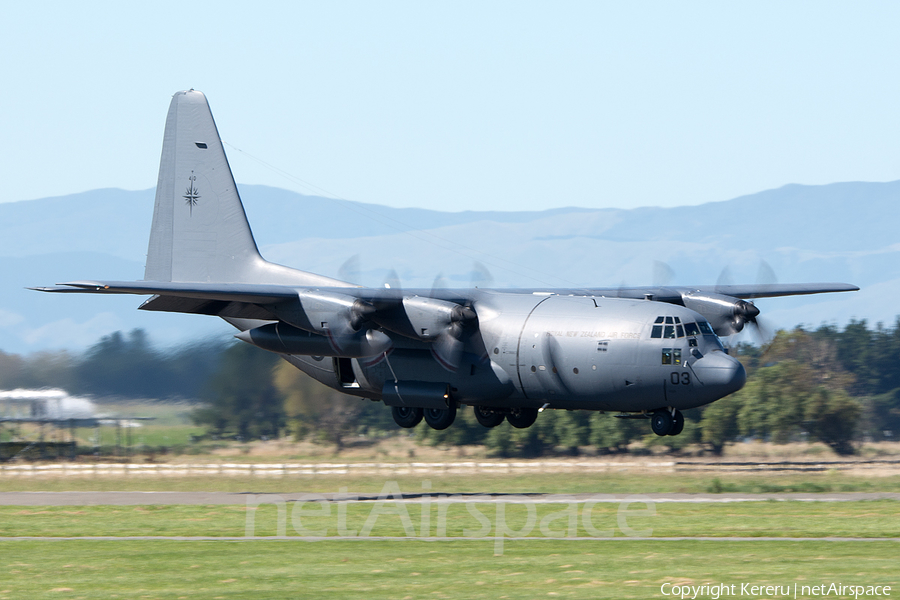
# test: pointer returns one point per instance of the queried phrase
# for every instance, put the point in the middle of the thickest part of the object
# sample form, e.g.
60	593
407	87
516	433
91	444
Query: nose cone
719	375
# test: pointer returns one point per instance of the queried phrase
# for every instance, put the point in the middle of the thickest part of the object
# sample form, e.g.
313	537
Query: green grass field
871	519
454	568
417	569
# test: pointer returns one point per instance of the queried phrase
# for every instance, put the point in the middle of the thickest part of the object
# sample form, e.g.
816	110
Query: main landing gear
437	418
405	416
440	418
488	417
522	418
667	422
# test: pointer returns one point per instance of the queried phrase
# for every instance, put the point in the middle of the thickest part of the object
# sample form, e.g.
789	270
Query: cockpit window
705	328
673	328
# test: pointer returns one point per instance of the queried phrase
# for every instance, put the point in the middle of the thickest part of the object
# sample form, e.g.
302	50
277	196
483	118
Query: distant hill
839	232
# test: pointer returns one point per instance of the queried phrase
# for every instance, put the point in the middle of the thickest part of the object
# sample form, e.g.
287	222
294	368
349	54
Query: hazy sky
456	106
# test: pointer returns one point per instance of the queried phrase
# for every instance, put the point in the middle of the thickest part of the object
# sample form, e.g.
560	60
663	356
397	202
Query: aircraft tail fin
200	232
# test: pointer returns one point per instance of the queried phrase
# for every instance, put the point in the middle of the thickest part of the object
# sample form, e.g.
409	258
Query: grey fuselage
569	352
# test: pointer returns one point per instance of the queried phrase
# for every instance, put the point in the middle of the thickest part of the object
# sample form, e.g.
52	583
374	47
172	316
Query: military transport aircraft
509	353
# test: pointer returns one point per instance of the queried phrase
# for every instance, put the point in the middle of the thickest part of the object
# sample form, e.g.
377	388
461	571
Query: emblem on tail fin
192	194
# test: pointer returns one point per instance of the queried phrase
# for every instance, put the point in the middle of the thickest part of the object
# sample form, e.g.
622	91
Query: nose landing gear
667	422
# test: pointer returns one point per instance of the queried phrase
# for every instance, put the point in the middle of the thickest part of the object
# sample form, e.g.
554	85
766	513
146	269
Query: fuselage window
667	356
657	331
691	329
676	356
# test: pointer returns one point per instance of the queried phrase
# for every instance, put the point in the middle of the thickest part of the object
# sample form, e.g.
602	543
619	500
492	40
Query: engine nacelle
726	314
320	312
284	339
425	318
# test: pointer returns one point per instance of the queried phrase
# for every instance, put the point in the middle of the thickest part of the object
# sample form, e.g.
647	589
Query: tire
661	422
440	418
677	423
522	418
405	416
487	417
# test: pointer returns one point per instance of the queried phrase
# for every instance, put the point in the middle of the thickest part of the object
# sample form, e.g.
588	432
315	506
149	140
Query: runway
400	538
232	498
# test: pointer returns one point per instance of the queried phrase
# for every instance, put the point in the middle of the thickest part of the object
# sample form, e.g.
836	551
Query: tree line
835	385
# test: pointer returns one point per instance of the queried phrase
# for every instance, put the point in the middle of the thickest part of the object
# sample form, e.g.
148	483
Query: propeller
350	331
746	312
447	349
446	324
449	344
764	275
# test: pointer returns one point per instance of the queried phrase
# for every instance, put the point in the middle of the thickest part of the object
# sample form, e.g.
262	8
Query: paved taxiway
145	498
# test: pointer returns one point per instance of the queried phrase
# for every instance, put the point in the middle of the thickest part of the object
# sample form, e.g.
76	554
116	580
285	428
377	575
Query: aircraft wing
270	293
235	300
775	290
232	292
744	291
725	306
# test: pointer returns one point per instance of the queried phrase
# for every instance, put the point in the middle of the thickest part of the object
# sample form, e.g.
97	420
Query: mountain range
842	232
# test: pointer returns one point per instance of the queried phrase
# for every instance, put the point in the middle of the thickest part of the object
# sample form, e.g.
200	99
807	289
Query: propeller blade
765	275
448	347
392	281
350	270
723	280
763	333
662	274
440	283
347	341
481	277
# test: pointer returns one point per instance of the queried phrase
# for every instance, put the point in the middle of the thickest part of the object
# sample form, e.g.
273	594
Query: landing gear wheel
405	416
677	423
661	422
438	418
522	418
488	417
